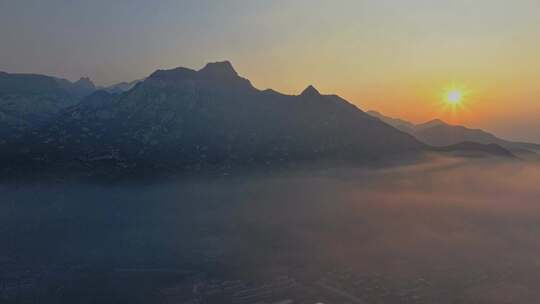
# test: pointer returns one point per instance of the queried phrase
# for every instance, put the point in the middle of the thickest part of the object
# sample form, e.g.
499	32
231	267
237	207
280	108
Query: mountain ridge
439	134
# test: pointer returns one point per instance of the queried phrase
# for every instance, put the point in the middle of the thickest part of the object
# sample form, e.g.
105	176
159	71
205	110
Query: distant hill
121	87
468	148
29	100
439	134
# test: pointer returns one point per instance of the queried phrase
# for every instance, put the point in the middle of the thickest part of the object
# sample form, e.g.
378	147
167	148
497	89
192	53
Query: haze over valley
447	230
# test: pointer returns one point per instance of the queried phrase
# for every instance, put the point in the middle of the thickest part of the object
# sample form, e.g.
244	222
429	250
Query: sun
454	100
454	96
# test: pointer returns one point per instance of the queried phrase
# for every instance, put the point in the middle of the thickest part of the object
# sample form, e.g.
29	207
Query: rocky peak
310	91
219	69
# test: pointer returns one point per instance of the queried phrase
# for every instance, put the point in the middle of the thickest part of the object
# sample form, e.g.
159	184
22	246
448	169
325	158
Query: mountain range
184	118
438	133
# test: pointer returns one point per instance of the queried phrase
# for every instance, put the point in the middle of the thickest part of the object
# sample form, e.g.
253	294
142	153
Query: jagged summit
220	68
222	71
310	91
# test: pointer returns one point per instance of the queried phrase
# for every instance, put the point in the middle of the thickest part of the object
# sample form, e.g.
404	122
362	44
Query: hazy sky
392	56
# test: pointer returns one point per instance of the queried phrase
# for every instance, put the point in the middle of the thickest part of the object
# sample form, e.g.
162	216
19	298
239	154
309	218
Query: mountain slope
397	123
183	117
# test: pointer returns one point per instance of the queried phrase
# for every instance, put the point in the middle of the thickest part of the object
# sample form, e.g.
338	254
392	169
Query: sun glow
454	100
455	96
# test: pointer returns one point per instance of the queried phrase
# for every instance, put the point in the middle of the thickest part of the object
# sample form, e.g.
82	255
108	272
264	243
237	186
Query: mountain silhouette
440	134
183	117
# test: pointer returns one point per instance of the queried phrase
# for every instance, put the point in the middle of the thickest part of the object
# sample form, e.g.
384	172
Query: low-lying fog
469	229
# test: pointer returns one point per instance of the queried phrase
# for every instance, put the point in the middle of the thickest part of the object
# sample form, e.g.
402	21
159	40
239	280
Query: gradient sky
392	56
